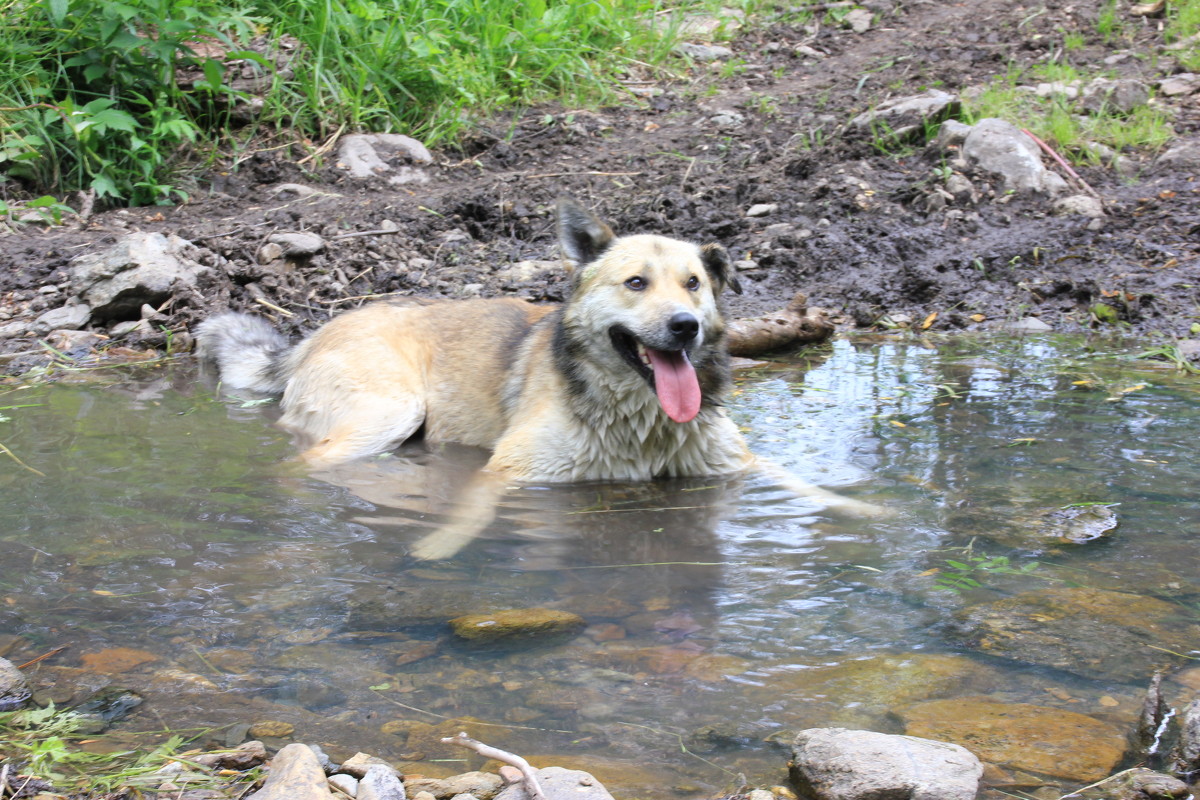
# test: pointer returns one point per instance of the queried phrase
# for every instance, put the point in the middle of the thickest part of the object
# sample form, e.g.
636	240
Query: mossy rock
517	625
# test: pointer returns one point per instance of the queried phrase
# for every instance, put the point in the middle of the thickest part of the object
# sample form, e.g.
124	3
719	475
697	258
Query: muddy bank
773	161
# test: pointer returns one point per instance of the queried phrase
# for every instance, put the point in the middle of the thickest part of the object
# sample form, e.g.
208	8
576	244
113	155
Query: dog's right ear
581	234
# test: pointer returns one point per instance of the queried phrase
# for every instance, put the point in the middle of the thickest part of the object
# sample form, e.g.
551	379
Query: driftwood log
796	324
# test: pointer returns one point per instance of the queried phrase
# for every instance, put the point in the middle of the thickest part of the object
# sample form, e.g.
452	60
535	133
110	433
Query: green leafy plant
91	93
45	739
974	570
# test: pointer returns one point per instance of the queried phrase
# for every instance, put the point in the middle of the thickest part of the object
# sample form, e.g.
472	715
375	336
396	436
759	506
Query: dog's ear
581	234
720	267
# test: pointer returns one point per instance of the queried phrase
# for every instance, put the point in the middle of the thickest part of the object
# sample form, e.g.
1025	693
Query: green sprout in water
958	576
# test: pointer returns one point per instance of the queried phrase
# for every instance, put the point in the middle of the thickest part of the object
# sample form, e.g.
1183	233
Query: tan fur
547	389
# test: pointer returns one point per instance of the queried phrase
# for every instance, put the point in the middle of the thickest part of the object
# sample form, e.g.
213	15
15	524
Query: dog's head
652	300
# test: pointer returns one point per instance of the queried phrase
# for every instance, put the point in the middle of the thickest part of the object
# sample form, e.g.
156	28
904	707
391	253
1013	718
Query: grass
44	742
91	97
1059	120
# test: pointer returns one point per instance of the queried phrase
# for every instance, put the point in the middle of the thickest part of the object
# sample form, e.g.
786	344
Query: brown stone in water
116	659
517	624
1048	741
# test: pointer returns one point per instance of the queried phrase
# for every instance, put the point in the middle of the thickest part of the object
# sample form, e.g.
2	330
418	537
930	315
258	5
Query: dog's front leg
783	477
473	510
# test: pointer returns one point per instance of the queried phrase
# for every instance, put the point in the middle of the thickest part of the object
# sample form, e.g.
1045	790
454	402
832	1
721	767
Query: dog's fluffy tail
248	352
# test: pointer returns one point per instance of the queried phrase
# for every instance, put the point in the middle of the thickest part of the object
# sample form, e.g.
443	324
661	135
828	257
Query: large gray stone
1181	156
933	105
14	690
1000	148
141	268
70	317
368	155
1122	96
841	764
560	784
380	783
295	774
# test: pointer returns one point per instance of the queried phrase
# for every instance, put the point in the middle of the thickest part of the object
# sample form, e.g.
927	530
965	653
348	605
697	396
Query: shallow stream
164	534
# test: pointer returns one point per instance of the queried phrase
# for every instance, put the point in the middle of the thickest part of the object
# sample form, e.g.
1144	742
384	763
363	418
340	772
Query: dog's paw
441	545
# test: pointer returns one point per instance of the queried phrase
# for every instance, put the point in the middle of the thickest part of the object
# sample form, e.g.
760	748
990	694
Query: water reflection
720	614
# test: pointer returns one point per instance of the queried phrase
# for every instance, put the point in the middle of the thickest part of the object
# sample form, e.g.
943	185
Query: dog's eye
693	283
637	283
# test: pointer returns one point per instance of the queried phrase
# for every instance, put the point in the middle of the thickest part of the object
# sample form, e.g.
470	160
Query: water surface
151	514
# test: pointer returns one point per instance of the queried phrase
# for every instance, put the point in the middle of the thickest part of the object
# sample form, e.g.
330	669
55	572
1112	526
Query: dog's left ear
581	234
720	267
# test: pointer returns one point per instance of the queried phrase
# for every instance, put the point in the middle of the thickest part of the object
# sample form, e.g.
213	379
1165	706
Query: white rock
1114	96
300	244
380	783
558	783
762	209
907	111
841	764
704	52
14	690
1082	204
1182	84
346	783
951	133
1000	148
1028	325
366	155
859	20
140	268
70	317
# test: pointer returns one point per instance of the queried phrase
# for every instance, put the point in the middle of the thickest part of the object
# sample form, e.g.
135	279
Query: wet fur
545	388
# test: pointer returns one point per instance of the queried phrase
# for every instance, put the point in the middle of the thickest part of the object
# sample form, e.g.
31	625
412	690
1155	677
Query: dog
624	381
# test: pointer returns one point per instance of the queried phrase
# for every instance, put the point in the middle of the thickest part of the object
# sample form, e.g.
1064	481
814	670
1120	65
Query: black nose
683	326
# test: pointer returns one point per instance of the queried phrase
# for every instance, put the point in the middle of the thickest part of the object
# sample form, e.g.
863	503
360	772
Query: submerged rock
1095	633
520	624
1048	741
841	764
1133	784
1076	525
390	609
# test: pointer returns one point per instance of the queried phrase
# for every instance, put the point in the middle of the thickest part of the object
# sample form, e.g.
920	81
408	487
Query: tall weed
89	97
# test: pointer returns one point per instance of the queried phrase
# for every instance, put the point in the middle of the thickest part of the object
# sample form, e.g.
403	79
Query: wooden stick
1061	162
532	787
44	656
356	234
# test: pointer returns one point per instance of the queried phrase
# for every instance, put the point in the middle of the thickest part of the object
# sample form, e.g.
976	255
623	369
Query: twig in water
1061	162
532	787
44	656
13	456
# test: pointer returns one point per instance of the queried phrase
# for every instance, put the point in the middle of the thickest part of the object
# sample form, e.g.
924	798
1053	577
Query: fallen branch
796	324
44	656
532	787
356	234
1061	162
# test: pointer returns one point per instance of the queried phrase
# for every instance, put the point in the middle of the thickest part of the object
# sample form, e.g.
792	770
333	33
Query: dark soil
860	233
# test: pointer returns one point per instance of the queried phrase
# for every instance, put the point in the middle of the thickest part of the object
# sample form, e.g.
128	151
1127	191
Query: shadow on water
171	541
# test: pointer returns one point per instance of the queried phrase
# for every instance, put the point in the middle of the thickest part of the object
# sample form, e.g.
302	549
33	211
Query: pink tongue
676	384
